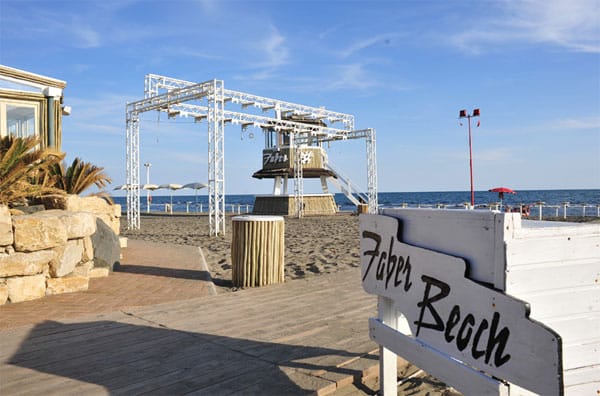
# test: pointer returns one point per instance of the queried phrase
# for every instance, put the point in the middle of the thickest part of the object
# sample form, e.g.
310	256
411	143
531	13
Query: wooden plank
40	342
439	365
582	376
470	234
547	275
576	328
563	302
583	389
540	250
582	355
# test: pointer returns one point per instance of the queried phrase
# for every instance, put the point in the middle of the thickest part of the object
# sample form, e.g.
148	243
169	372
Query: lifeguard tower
280	162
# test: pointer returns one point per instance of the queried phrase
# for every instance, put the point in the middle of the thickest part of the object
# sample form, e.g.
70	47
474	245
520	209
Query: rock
19	264
6	231
107	249
28	209
38	232
112	222
3	293
67	257
68	284
83	269
117	210
79	224
96	205
98	272
64	202
25	288
88	249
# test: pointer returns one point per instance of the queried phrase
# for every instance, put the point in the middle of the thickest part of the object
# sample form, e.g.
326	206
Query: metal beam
173	96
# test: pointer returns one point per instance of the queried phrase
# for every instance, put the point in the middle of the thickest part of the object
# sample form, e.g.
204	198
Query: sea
551	202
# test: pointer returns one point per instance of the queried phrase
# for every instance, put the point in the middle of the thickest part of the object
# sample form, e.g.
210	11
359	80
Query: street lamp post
464	114
148	165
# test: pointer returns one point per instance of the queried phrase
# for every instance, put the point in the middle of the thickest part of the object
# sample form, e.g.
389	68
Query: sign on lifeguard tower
463	332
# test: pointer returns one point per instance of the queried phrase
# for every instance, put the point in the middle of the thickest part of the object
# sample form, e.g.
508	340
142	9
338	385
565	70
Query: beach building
31	105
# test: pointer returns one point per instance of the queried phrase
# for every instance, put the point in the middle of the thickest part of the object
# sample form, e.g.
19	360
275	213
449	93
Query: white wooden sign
447	313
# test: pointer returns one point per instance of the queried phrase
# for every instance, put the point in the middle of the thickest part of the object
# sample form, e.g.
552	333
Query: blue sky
404	68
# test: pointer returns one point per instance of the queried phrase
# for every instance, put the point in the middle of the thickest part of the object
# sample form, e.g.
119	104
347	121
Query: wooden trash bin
257	249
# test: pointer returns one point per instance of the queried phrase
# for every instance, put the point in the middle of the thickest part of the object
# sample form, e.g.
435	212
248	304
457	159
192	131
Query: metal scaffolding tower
206	101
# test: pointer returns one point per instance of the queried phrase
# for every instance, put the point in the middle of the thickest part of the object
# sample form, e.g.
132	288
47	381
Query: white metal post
148	165
216	155
298	176
372	171
133	170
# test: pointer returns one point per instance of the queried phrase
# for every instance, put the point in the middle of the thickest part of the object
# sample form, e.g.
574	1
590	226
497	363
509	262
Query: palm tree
78	177
23	169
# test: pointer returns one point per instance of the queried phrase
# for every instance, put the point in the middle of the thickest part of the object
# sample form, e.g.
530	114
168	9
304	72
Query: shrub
24	170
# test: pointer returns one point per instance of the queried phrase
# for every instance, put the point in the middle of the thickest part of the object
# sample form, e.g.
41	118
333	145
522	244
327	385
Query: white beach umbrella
150	187
172	187
196	186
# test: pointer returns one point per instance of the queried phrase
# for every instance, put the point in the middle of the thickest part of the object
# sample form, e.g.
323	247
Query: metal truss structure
206	101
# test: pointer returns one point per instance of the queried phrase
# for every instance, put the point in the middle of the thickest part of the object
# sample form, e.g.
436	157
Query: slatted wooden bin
257	250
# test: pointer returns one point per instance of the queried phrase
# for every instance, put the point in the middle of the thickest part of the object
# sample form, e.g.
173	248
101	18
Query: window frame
37	101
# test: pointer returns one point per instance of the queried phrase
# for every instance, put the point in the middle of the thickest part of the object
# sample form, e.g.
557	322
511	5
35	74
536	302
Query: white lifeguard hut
282	162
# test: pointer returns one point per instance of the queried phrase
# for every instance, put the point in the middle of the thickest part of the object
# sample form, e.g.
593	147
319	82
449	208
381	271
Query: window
19	118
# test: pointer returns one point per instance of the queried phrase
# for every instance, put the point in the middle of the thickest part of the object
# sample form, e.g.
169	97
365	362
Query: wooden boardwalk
300	337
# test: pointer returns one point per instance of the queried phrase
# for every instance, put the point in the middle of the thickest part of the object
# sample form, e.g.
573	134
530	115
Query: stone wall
57	250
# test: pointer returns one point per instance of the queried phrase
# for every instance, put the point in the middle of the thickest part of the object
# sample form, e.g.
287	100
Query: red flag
478	123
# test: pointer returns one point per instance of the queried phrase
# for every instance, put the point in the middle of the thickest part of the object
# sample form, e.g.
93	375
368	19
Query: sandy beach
313	245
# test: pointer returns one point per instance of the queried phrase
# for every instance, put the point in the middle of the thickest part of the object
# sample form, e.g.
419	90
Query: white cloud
273	51
352	76
272	54
187	52
367	43
580	123
574	25
357	76
83	35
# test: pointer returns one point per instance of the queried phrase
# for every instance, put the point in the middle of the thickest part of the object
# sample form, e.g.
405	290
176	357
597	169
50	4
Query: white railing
536	210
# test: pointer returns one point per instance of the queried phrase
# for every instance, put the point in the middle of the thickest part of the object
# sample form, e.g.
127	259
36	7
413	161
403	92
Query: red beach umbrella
501	191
